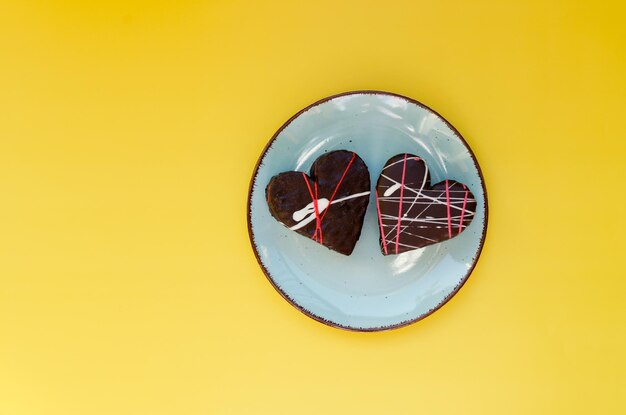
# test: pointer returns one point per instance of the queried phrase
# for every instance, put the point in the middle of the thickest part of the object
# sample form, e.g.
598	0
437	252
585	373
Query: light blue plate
366	291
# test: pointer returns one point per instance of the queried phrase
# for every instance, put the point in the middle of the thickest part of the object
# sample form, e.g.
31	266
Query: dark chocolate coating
342	221
429	214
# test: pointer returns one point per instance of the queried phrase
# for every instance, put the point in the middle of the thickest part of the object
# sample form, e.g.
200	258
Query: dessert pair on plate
328	205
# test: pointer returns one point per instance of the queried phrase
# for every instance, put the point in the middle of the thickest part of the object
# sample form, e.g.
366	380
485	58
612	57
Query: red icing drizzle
400	206
380	222
463	211
318	221
318	218
338	184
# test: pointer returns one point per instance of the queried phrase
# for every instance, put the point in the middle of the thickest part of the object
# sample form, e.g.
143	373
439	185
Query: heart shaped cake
412	213
328	205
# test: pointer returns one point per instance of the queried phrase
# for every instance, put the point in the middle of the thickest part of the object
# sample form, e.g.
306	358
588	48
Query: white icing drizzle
391	189
390	223
306	215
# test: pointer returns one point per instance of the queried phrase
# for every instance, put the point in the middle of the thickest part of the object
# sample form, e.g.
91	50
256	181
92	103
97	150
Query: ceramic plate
366	291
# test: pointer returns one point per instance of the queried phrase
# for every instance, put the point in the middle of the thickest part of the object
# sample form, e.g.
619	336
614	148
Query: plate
366	291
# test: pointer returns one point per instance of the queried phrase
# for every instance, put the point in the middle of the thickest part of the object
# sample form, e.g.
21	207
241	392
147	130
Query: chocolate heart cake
328	205
412	213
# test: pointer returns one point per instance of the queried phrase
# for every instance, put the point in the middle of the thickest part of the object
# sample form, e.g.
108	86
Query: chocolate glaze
337	175
429	214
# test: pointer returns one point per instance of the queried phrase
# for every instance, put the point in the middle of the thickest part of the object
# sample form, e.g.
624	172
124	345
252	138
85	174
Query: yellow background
128	134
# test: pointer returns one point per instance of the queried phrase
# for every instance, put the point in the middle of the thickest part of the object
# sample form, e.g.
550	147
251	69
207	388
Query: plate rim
308	313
